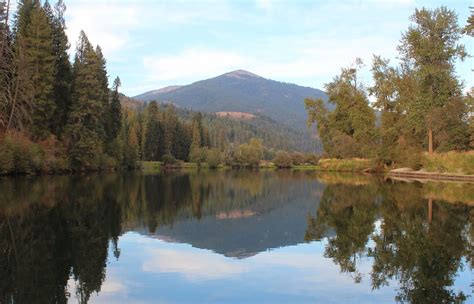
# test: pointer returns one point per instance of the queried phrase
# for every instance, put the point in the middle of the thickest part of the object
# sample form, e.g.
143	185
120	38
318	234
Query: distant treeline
421	102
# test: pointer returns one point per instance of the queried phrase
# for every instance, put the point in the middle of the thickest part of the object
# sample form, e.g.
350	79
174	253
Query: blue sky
152	44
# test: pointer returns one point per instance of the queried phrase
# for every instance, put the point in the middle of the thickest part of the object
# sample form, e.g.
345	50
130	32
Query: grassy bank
349	165
450	162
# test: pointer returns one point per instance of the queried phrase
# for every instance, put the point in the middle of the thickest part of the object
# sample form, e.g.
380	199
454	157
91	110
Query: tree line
54	115
418	104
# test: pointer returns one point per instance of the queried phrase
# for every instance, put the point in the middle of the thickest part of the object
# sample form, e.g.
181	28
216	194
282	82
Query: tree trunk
430	140
430	210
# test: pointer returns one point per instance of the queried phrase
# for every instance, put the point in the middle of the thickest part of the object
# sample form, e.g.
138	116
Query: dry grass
452	162
351	164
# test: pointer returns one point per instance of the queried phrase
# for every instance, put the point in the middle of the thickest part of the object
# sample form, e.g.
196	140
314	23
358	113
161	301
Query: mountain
241	91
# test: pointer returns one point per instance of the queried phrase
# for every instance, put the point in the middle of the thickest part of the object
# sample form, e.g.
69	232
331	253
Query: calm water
239	236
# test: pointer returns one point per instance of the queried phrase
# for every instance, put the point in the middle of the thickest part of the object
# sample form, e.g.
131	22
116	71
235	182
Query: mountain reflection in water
69	238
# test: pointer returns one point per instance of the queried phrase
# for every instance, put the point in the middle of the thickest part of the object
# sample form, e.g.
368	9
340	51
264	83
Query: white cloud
193	265
192	63
106	23
265	5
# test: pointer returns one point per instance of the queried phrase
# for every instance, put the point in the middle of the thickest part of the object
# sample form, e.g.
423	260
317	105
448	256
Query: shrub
169	160
311	159
283	159
213	158
297	158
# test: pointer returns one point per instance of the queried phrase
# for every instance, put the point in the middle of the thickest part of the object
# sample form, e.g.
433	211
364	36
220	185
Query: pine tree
85	129
40	57
153	147
114	112
196	138
63	71
22	17
103	90
170	121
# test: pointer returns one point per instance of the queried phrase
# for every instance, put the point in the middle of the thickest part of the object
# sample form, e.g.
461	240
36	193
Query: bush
7	157
311	159
213	158
19	155
169	160
297	158
283	159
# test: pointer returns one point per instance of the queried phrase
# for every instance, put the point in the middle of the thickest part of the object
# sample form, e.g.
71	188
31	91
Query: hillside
240	127
233	129
241	91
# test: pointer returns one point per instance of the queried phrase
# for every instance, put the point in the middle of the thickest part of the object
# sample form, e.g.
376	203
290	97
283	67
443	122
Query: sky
152	44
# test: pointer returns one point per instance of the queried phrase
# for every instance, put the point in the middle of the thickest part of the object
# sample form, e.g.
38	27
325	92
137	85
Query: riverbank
454	166
407	173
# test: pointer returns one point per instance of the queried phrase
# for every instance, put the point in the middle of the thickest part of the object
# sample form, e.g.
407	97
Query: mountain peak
241	74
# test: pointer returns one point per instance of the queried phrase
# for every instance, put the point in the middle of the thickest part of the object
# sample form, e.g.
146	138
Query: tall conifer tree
39	52
85	130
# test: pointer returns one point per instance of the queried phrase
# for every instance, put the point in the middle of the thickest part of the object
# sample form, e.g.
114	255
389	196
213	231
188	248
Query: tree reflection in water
420	242
57	229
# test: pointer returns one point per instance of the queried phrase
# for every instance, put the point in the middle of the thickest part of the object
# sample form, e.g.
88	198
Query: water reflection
55	231
420	242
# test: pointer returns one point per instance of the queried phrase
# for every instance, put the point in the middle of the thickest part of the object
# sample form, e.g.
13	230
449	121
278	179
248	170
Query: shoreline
434	176
405	174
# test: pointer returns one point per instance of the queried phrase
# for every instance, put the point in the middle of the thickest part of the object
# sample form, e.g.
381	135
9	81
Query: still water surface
234	237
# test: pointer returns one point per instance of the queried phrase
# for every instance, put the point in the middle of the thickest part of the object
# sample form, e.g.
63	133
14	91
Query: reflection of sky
153	271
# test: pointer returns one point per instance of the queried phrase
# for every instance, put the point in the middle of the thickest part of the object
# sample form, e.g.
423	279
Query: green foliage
348	130
38	43
63	71
426	85
249	155
283	159
114	112
213	158
419	97
85	128
169	160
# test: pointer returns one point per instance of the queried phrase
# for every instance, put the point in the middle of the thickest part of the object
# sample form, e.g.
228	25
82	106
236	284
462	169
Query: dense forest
54	115
420	101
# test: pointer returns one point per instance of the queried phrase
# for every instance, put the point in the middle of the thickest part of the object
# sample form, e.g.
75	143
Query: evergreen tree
85	130
22	17
39	52
103	90
153	148
469	28
114	112
196	138
170	122
63	71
